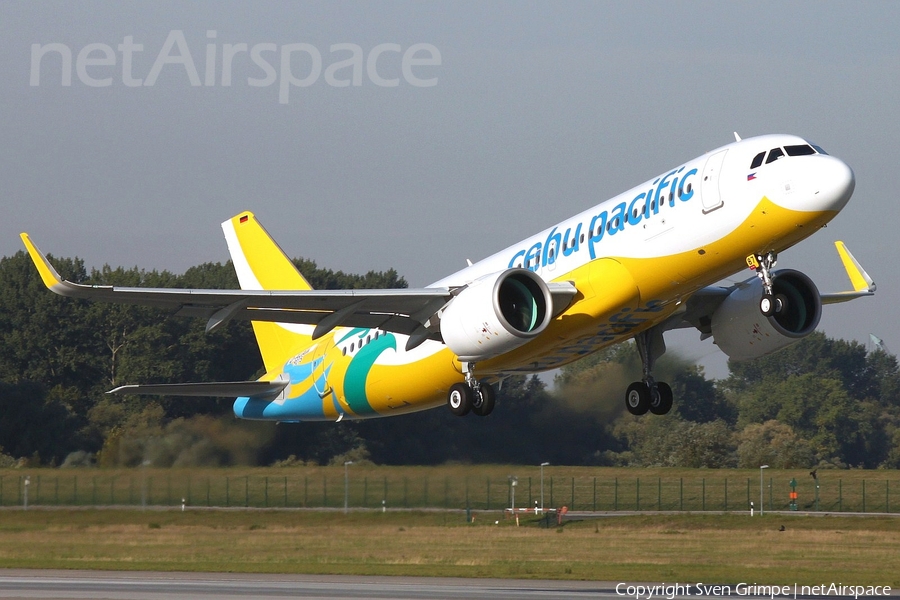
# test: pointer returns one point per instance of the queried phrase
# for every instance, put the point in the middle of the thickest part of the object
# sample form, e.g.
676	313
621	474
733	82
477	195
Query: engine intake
495	314
742	332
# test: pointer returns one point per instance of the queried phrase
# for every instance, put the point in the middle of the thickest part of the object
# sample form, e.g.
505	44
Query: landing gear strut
649	394
471	396
770	303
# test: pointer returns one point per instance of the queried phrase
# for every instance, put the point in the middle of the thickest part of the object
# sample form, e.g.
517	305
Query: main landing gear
770	303
471	396
649	394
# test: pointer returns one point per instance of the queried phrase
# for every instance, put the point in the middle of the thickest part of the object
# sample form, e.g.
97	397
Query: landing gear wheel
660	398
459	399
780	303
637	398
488	399
767	305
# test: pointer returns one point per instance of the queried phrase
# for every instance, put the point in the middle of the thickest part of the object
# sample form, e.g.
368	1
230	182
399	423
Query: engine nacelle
742	332
495	314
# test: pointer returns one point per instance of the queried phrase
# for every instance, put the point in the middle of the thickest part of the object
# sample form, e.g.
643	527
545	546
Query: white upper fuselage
688	207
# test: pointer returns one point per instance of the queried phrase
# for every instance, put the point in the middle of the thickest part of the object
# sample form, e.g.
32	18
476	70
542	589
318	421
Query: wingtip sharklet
859	279
48	274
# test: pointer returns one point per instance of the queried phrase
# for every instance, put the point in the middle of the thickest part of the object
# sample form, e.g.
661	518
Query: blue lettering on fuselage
665	190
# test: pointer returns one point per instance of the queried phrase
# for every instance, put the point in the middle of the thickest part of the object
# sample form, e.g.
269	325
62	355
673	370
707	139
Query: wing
399	310
405	311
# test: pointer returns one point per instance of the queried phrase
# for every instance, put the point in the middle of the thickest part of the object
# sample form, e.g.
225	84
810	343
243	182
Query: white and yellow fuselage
634	260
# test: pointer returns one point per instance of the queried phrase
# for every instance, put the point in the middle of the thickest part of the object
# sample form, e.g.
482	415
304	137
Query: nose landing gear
770	303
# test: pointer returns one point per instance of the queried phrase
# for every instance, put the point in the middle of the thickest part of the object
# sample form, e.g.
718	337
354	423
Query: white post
346	487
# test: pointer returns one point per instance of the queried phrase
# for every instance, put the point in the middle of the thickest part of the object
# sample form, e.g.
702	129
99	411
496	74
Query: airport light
346	487
27	483
544	464
761	488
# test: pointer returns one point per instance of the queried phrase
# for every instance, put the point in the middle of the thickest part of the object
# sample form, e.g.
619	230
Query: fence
326	488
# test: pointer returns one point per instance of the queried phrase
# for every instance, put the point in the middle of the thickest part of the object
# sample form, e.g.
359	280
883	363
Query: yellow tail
262	265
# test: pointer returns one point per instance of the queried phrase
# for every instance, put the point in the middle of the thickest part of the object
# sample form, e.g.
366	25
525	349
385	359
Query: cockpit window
757	160
776	153
800	150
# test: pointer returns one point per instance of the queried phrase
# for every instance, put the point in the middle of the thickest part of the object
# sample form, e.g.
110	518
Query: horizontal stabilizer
217	389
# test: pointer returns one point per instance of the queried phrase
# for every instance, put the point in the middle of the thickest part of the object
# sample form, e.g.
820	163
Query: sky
467	127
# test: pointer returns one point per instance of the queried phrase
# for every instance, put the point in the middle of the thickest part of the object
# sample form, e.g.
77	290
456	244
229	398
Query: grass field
681	548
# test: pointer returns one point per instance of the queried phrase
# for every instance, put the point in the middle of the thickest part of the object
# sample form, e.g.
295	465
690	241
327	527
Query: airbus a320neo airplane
632	267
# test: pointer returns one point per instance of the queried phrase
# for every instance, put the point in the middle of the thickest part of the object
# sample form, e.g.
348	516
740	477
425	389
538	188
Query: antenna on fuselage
737	138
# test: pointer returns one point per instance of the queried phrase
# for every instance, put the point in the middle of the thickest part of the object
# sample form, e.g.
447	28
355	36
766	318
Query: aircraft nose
832	183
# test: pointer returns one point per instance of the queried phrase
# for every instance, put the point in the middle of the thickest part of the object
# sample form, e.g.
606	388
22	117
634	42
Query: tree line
821	402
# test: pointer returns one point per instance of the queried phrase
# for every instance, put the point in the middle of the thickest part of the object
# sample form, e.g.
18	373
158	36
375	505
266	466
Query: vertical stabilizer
262	265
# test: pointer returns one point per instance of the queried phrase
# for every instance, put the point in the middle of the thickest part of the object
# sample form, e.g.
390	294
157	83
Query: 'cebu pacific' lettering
663	190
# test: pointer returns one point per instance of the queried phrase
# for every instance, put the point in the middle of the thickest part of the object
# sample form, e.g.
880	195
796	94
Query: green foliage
774	444
35	422
672	442
830	392
699	399
818	401
59	356
147	438
326	279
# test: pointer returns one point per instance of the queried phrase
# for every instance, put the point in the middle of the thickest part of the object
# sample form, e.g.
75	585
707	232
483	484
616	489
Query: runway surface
97	585
109	585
